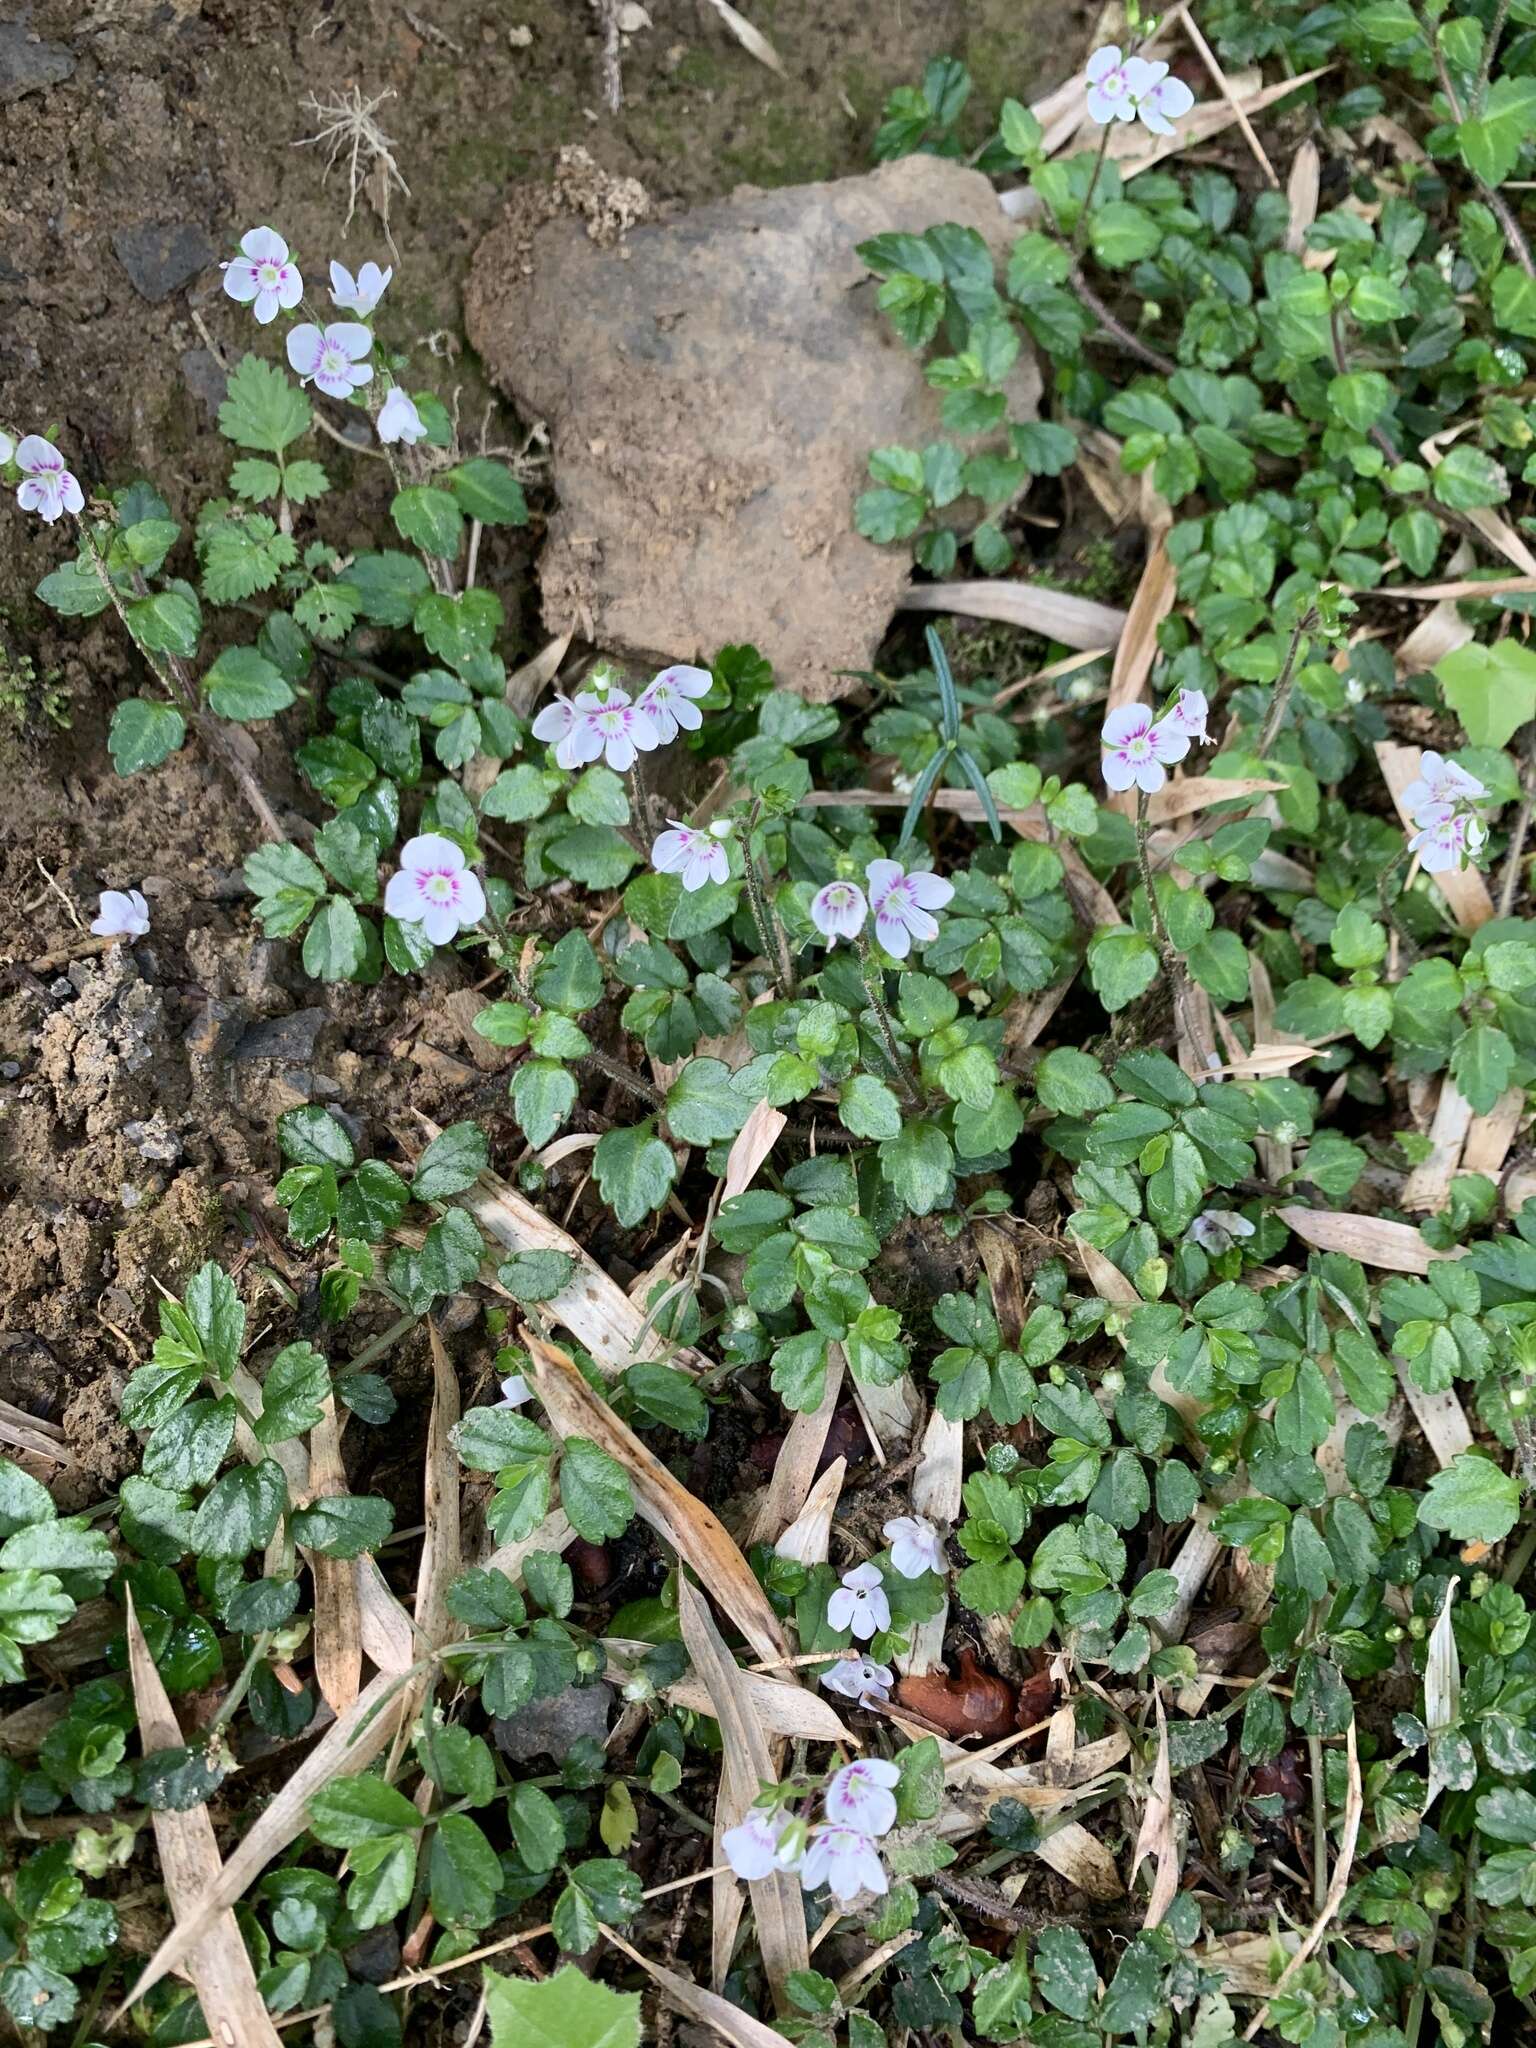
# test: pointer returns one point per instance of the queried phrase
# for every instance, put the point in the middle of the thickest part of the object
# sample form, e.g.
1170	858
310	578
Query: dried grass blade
787	1713
809	1536
935	1493
1442	1691
553	1533
1057	614
1441	1417
1466	586
349	1745
594	1308
1134	153
1301	195
1198	792
1429	1184
442	1556
1223	85
750	40
1137	649
691	1528
1156	1837
707	2007
889	1413
1491	1136
1465	891
750	1147
1373	1240
221	1971
776	1906
794	1470
338	1614
525	683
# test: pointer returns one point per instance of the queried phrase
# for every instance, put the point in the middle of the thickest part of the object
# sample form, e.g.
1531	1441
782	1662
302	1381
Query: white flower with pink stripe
1137	746
902	901
262	277
435	888
331	358
46	488
609	728
699	857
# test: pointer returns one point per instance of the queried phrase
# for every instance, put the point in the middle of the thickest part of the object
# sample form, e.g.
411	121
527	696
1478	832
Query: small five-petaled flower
1139	747
1440	801
398	418
123	915
435	888
916	1546
331	358
859	1603
262	277
46	488
697	856
1124	88
362	293
1217	1230
859	1678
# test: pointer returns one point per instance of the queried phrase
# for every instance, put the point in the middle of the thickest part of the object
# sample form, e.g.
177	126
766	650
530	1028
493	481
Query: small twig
1112	326
613	77
1281	695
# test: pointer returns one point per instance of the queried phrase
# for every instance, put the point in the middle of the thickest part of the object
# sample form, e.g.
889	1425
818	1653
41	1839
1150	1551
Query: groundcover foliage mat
964	1356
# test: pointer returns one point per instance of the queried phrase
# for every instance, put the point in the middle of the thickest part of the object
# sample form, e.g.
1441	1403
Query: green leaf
1482	1064
71	1545
311	1136
490	1439
868	1108
517	795
343	1525
1491	143
217	1314
702	1106
429	518
334	946
1122	234
1072	1083
919	1165
288	885
75	591
453	1161
143	734
489	492
634	1171
389	586
23	1499
543	1096
1122	965
566	2010
1492	690
536	1276
594	1491
1065	1971
293	1394
1466	478
262	409
241	554
240	1512
464	1873
1472	1501
570	978
244	685
1514	300
353	1810
460	629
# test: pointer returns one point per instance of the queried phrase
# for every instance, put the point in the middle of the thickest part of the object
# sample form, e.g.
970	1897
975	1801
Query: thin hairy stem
901	1072
1280	698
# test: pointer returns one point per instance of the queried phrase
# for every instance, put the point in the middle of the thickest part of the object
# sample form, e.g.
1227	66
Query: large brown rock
713	386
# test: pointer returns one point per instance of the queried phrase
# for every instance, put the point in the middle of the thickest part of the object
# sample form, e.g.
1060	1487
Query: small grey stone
207	382
291	1039
548	1727
154	1140
161	256
27	63
9	1069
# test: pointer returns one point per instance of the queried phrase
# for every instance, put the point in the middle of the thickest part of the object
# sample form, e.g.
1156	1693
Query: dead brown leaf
1157	1836
338	1634
1055	614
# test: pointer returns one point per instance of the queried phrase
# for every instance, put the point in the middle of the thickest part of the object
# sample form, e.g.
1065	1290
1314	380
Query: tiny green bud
588	1661
1113	1381
1418	1627
1481	1581
1393	1632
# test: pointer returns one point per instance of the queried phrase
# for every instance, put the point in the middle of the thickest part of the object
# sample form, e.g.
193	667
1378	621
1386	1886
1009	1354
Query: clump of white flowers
841	1851
1124	88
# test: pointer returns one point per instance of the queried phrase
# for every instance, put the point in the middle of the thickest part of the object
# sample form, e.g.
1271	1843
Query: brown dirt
138	1088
